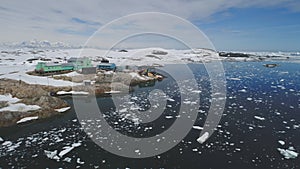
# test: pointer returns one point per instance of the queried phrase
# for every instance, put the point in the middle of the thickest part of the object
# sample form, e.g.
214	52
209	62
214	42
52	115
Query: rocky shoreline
29	95
46	96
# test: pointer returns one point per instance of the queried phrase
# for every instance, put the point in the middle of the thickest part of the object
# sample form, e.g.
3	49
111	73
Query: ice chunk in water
65	151
67	159
51	154
168	117
281	142
68	149
79	162
203	138
7	143
259	118
288	154
197	127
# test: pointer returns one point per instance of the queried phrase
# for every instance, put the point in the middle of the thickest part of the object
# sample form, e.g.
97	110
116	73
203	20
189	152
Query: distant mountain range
40	44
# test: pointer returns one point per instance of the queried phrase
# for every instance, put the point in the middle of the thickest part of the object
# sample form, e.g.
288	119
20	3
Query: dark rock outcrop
29	95
231	54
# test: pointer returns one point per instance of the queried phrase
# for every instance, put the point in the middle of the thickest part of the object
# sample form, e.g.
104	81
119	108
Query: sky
239	25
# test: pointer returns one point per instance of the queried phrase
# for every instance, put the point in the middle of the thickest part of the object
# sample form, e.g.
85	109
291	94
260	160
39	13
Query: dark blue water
240	140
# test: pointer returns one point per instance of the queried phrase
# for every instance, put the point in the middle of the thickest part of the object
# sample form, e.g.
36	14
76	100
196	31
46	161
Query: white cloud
52	19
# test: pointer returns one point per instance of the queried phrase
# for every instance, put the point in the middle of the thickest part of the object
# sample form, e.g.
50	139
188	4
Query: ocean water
261	114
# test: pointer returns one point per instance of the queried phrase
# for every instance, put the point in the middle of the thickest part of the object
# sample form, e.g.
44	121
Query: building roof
74	59
106	64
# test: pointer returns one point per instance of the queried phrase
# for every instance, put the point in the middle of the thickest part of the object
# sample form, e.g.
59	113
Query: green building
73	64
43	67
80	63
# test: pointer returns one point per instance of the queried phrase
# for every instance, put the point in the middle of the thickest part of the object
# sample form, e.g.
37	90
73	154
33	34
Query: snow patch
14	106
8	98
62	109
27	119
20	107
113	92
72	92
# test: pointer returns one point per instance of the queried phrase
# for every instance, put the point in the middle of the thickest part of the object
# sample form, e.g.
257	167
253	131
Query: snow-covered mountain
42	44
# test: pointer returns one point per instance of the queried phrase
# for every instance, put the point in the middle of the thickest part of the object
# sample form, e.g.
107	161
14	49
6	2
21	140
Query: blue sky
239	25
254	29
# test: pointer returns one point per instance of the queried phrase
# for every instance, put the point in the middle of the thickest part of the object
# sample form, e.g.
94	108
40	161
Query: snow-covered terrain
15	67
15	62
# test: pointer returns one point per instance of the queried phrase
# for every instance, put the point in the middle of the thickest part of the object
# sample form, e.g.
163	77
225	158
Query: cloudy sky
230	25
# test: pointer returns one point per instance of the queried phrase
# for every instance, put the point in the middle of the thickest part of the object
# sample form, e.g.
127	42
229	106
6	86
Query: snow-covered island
24	95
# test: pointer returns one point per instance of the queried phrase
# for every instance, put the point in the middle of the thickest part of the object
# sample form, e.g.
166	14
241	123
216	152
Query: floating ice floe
234	78
194	149
197	127
203	138
62	109
168	117
196	91
51	154
281	142
13	147
7	143
259	118
201	111
123	110
171	100
288	153
187	102
67	159
243	90
25	119
66	150
237	149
